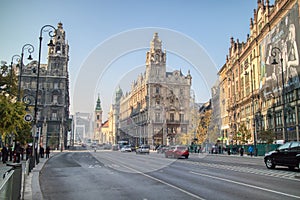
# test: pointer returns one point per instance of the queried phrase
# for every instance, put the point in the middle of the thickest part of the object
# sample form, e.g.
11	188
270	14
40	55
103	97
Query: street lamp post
274	52
30	49
50	29
17	58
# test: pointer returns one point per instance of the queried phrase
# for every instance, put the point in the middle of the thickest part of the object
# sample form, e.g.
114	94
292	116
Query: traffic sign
28	118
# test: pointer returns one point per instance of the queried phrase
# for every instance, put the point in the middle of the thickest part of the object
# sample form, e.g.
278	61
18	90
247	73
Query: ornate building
53	95
256	92
156	110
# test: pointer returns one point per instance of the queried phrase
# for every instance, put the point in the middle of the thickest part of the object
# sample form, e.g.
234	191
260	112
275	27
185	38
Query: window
157	117
181	117
157	101
98	117
54	115
157	90
172	117
278	118
55	98
55	86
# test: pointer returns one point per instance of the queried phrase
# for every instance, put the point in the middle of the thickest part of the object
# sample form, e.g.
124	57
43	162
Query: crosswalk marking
266	172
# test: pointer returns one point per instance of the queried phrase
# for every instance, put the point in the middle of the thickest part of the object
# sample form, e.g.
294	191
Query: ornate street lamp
30	49
17	58
51	31
274	52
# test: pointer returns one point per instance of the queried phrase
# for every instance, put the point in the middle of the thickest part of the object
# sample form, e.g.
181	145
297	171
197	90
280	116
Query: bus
122	143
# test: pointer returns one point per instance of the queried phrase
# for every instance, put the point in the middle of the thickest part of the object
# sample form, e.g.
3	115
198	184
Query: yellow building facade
259	98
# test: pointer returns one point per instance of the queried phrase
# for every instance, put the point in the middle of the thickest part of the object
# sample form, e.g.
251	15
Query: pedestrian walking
28	151
250	151
10	153
241	151
4	152
42	151
18	152
47	151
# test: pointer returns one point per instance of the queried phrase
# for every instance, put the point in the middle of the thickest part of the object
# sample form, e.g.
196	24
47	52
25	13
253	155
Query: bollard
17	179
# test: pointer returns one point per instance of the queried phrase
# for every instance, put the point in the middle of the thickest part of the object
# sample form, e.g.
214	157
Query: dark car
287	154
177	152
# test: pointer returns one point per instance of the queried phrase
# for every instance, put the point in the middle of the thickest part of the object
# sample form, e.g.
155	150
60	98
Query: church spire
98	106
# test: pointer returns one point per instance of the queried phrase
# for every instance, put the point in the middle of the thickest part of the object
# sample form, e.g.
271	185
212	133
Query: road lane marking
158	180
244	184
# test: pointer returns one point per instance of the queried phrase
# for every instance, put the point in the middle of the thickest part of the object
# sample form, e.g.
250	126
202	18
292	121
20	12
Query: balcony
177	122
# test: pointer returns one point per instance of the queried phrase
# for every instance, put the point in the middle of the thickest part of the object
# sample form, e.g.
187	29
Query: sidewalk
30	188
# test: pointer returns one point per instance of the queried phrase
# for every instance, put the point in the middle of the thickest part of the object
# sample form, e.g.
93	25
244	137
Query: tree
12	112
243	134
203	126
267	136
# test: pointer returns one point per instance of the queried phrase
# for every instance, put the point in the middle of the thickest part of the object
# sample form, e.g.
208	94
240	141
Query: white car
143	149
126	148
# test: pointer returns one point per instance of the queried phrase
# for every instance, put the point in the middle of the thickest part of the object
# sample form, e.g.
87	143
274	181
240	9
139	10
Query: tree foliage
266	136
243	134
203	125
12	112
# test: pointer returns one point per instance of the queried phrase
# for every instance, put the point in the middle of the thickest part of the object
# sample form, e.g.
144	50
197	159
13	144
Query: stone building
53	92
156	110
98	136
256	92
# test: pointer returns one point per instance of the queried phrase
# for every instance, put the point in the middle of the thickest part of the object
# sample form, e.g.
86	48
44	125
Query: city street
117	175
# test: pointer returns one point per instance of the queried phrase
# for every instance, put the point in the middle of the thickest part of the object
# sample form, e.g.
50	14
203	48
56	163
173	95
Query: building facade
156	110
53	92
256	92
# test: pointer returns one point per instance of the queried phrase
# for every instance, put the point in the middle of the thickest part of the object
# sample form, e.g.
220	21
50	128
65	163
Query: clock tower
155	61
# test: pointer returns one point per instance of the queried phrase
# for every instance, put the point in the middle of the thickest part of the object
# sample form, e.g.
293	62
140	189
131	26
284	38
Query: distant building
98	137
157	109
83	127
53	96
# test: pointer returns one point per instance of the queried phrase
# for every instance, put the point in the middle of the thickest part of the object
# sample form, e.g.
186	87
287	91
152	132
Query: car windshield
284	146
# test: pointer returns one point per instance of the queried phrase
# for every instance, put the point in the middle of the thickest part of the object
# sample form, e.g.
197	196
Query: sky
109	39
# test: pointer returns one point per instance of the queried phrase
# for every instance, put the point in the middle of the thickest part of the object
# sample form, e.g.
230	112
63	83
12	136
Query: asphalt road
112	175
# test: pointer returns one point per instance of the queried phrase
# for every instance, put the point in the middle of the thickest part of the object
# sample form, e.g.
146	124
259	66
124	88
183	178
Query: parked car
115	147
162	148
143	149
287	154
177	152
126	148
133	148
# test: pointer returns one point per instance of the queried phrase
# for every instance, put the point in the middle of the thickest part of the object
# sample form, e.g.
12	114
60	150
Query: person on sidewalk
4	152
47	151
241	151
250	151
42	151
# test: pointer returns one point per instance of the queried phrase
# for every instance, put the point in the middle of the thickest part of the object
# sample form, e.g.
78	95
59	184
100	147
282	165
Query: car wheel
186	157
269	163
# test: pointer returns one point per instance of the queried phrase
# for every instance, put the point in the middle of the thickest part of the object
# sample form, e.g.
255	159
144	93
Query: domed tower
98	121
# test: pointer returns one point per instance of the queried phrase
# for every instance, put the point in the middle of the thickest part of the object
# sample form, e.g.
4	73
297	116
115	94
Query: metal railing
11	181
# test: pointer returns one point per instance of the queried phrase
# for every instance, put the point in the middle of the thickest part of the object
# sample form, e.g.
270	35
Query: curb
34	180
